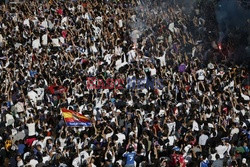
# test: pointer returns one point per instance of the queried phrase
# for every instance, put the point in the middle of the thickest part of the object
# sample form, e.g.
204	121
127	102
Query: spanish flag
73	118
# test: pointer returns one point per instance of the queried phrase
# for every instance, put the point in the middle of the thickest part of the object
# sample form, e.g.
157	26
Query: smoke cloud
230	15
148	10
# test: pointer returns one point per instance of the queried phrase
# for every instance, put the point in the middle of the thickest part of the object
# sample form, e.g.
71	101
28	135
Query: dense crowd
177	101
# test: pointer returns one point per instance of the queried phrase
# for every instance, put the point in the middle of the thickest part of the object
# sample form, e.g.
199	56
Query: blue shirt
130	158
21	148
33	73
204	163
113	100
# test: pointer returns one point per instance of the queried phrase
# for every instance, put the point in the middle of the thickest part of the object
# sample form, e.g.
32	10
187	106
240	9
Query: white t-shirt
107	58
171	140
55	42
20	163
26	22
119	64
131	55
171	27
61	39
152	71
203	139
120	23
201	74
109	135
36	44
195	126
32	129
33	97
234	131
64	20
245	97
9	119
121	137
47	158
33	162
45	39
76	162
40	93
85	154
93	49
41	144
92	70
213	158
118	50
171	127
62	142
44	24
162	60
221	150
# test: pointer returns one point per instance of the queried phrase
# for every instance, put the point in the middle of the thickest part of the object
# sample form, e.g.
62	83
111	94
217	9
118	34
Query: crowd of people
178	102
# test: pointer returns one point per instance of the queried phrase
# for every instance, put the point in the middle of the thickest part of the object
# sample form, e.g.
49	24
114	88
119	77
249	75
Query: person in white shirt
171	126
31	127
203	139
19	161
33	162
201	74
221	150
121	138
171	140
84	155
92	70
162	59
195	126
131	56
152	70
234	130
